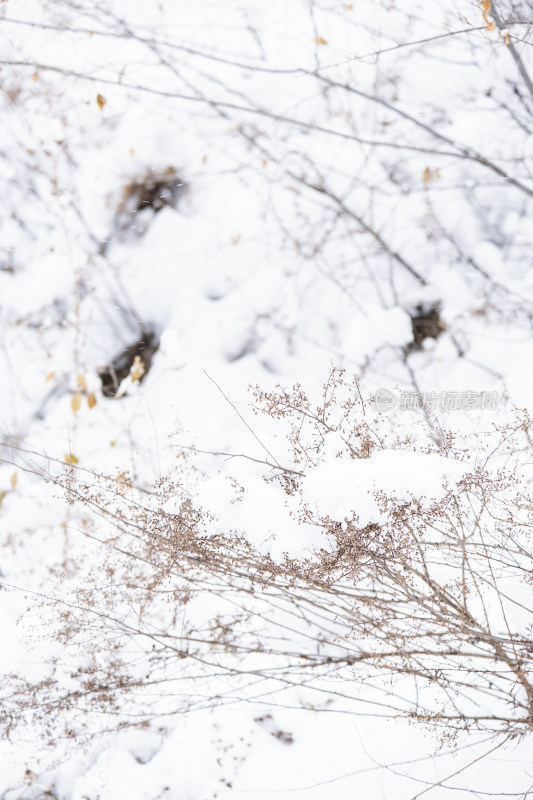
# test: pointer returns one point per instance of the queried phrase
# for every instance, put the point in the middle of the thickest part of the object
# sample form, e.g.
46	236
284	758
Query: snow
339	487
284	256
376	328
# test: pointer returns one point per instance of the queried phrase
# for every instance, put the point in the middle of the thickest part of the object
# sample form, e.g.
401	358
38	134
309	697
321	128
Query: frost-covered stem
462	151
367	228
514	52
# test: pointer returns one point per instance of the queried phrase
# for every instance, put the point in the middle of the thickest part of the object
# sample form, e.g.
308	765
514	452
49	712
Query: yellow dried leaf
101	101
430	175
34	76
50	376
506	39
264	162
112	443
75	403
236	238
70	458
137	369
486	9
320	40
81	383
14	480
349	7
91	400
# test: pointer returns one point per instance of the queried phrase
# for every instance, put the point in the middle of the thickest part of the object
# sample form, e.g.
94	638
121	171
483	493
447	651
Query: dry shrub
420	615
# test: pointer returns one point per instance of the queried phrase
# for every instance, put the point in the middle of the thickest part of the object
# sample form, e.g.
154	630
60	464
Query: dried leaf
14	480
34	76
236	238
50	376
101	101
81	383
486	9
430	175
506	39
75	403
320	40
2	495
91	400
137	369
70	458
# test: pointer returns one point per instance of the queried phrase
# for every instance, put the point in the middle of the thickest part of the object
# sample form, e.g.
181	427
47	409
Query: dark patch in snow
426	323
120	366
155	191
142	199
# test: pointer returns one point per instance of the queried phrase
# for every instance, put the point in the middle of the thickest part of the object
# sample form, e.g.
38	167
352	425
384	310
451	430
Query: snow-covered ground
264	194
